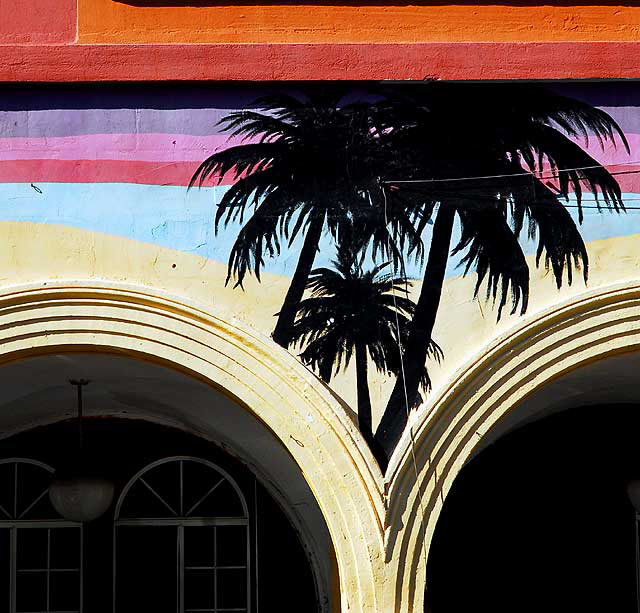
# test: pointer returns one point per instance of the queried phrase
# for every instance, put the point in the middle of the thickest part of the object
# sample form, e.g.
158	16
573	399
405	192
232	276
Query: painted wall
145	21
142	40
38	22
93	184
174	21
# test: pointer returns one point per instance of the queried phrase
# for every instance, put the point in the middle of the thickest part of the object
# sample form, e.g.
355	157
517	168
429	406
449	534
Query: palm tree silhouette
313	166
361	314
516	137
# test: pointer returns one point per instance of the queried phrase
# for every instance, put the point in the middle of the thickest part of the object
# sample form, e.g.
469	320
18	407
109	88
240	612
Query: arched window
40	553
181	540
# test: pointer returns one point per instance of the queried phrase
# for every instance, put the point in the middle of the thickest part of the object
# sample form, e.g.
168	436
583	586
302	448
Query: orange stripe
106	21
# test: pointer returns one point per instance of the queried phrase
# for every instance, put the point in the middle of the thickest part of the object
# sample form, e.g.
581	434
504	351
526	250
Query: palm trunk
364	405
284	326
414	356
364	400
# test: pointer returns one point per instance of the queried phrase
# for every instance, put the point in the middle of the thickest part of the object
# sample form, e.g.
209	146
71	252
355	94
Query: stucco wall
140	40
106	21
93	187
153	21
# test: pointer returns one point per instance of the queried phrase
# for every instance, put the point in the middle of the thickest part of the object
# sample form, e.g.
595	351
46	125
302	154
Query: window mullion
13	565
48	569
181	569
81	572
215	568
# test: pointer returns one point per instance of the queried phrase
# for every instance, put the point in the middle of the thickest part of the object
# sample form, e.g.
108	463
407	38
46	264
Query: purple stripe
627	117
56	123
196	122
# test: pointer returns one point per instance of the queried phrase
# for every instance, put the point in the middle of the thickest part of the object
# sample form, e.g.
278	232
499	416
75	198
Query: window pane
31	548
232	589
7	490
231	544
43	509
147	569
201	482
33	483
199	546
65	591
31	591
5	570
65	548
199	589
141	502
165	481
222	502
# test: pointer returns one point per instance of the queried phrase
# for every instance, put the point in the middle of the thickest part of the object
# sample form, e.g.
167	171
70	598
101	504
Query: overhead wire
601	202
423	526
519	174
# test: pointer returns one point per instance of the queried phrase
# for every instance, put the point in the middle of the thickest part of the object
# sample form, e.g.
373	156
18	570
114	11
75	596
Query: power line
519	174
599	207
412	439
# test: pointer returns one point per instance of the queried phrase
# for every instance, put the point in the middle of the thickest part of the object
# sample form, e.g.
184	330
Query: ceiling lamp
76	493
633	491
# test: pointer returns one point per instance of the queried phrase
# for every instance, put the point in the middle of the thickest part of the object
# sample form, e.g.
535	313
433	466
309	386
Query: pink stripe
178	148
97	171
124	147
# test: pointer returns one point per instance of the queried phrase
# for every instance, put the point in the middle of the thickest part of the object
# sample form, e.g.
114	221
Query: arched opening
540	520
581	353
210	514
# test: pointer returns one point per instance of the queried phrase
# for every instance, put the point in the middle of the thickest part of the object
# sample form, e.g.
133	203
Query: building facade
115	268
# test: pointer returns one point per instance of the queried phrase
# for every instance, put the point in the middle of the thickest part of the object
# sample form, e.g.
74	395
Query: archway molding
308	419
447	432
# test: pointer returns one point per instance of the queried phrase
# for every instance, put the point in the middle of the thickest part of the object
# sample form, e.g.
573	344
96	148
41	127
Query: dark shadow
540	520
238	95
120	447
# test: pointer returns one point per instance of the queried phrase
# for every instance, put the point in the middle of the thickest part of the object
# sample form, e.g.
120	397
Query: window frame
15	524
181	522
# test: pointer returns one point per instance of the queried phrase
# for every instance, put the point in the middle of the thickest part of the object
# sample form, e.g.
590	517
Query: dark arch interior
540	520
281	578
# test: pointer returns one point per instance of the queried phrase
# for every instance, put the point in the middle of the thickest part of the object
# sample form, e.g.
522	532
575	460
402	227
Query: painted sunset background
93	184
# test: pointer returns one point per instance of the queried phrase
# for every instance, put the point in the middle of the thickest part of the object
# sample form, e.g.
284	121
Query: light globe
81	499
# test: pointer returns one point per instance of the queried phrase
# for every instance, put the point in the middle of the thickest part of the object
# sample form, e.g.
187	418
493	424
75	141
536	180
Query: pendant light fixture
76	493
633	491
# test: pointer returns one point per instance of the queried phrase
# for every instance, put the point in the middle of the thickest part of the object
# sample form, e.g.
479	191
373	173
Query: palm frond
237	161
253	124
349	306
558	237
494	251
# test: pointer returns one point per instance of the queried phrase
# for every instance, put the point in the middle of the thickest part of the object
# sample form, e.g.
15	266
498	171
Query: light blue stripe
172	217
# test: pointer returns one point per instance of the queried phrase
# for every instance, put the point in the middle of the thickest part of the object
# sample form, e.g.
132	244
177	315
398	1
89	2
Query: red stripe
259	62
153	173
96	171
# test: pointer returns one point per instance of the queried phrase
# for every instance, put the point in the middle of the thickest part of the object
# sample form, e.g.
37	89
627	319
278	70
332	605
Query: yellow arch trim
540	349
304	414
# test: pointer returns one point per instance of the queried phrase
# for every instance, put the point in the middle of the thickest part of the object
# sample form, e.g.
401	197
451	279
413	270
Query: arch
494	384
307	418
10	512
213	467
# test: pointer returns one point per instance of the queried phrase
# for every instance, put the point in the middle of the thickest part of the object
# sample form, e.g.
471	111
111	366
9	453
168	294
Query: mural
378	233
